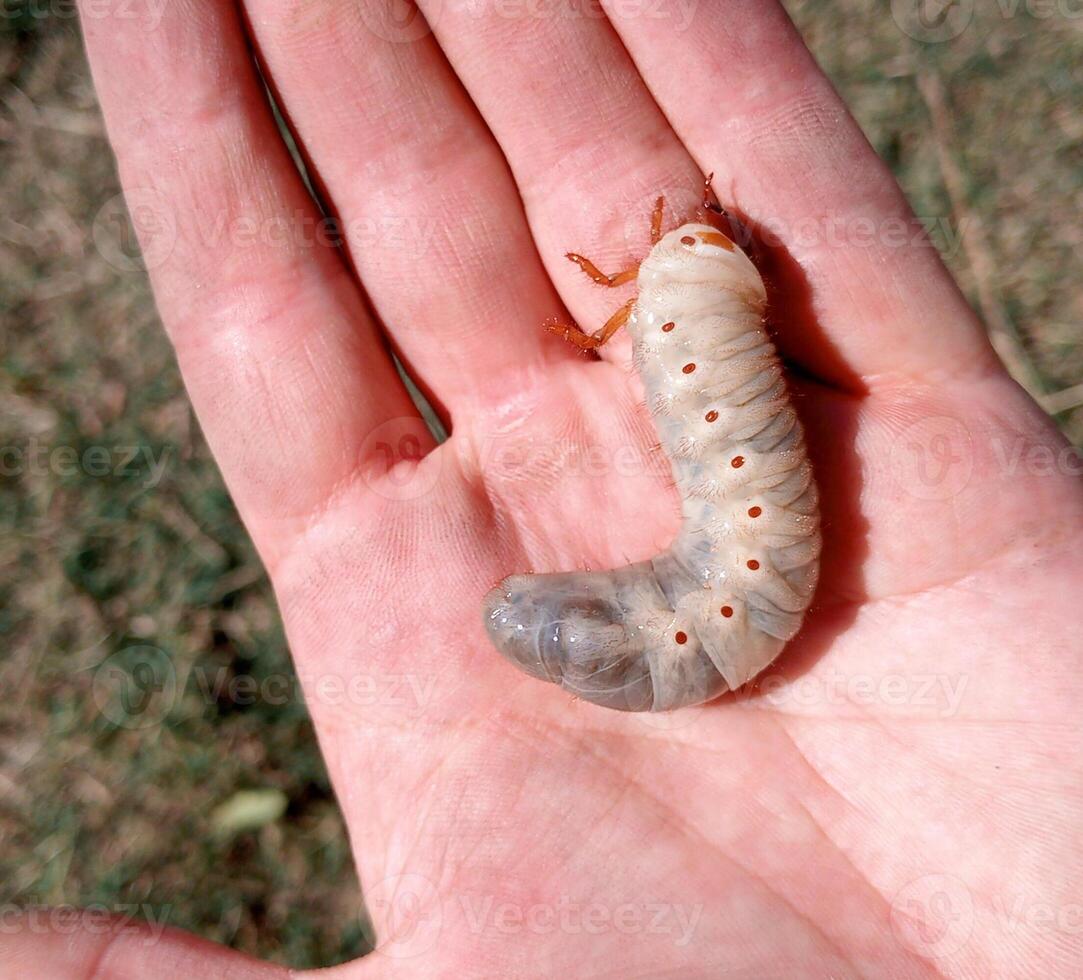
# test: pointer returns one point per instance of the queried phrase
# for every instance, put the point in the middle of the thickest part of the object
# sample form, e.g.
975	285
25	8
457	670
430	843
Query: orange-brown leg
712	213
616	321
710	202
617	279
625	275
592	341
656	220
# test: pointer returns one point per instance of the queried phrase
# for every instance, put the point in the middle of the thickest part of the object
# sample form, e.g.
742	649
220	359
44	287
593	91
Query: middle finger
588	145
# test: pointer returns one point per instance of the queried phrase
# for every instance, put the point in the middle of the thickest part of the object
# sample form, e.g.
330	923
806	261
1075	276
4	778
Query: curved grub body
716	608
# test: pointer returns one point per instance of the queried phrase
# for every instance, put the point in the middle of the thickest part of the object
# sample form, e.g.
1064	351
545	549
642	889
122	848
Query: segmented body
716	608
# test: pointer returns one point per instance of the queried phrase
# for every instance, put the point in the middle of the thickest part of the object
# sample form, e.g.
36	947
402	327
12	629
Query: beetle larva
717	607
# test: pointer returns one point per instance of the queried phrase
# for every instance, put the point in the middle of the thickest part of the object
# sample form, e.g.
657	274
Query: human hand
903	779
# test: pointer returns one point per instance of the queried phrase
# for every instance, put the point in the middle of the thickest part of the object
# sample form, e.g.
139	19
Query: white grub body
717	607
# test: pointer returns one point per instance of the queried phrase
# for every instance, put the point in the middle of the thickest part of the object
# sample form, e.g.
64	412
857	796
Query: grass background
218	815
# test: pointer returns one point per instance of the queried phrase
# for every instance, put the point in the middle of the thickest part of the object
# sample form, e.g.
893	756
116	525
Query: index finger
287	372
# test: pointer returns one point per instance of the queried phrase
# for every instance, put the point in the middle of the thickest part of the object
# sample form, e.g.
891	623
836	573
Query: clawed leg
712	213
617	279
625	275
656	220
592	341
710	202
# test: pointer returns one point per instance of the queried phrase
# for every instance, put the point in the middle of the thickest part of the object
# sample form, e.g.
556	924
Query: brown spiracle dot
688	240
688	368
755	511
727	611
753	564
737	462
711	416
666	327
681	637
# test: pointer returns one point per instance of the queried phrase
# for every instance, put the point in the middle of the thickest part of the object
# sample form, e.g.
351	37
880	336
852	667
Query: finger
748	100
85	944
286	372
430	212
75	944
590	175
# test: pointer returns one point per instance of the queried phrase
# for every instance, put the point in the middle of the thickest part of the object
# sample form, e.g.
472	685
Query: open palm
901	794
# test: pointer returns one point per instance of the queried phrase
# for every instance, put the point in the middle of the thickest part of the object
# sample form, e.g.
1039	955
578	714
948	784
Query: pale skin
918	744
